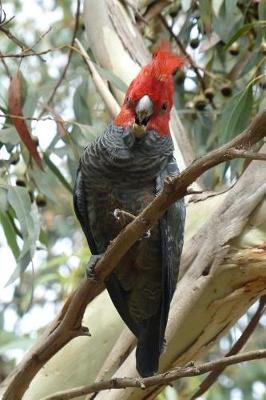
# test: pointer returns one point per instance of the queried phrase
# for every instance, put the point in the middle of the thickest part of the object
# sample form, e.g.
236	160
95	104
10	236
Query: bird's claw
125	218
117	214
90	269
147	234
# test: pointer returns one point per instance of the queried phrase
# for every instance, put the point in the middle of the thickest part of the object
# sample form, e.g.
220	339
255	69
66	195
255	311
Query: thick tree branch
160	379
68	324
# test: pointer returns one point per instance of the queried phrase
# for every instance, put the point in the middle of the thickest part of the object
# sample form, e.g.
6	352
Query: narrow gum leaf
15	108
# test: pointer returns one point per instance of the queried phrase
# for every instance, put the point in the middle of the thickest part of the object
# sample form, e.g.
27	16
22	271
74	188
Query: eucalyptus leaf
112	78
10	233
237	113
80	103
57	172
9	135
29	221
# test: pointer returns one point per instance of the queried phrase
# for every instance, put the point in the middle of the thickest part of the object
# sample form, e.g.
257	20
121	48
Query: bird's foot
168	183
90	269
124	217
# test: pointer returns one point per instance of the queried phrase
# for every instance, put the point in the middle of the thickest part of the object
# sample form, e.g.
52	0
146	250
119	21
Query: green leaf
29	221
10	233
216	6
45	183
3	199
237	113
112	78
206	15
262	10
9	135
262	14
80	103
242	31
57	173
228	21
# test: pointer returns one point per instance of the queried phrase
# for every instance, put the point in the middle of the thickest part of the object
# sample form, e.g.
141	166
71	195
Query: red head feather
155	80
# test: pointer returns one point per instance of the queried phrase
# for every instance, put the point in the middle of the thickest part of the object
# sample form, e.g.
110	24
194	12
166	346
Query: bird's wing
115	290
151	340
172	237
81	211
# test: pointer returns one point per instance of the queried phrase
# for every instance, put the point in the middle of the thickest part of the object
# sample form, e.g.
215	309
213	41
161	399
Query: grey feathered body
119	171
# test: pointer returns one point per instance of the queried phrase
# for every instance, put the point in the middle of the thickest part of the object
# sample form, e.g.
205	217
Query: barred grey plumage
119	171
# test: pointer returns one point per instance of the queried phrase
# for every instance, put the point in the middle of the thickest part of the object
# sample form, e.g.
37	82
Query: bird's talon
117	214
147	234
90	269
168	180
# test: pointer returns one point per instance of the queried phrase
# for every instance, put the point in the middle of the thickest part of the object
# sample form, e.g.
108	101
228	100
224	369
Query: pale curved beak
144	110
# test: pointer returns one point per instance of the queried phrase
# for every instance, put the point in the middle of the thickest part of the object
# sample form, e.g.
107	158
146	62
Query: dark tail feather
147	358
149	347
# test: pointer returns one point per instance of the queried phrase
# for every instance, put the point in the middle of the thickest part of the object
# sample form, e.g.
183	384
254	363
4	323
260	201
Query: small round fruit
200	102
226	90
234	49
194	43
41	200
209	93
20	182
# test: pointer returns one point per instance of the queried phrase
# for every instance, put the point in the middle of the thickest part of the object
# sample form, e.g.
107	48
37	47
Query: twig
68	324
182	48
49	101
5	65
213	376
161	379
10	35
58	120
110	102
23	54
250	155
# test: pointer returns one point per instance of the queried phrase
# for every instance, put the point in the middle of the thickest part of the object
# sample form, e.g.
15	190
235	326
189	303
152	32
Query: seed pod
200	102
234	49
20	182
226	90
41	200
194	43
209	93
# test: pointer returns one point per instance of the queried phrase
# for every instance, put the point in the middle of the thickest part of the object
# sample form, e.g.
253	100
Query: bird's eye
164	106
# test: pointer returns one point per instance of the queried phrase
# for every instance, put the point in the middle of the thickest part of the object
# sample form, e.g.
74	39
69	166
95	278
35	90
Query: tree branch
68	324
160	379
